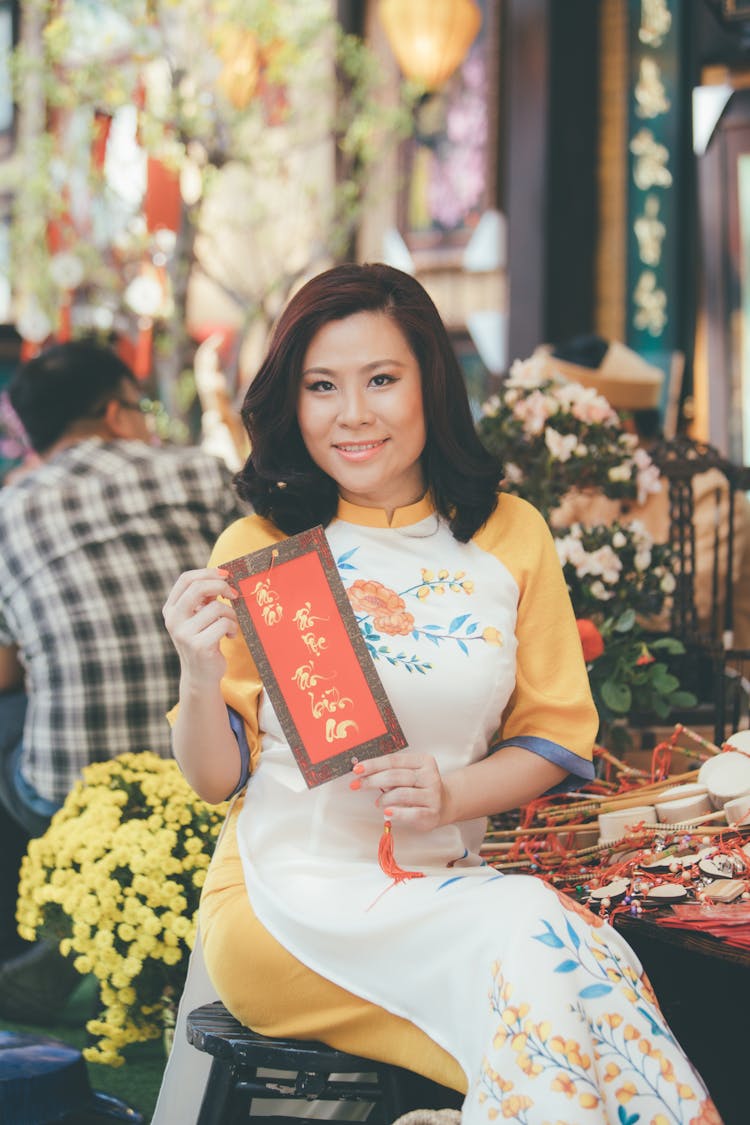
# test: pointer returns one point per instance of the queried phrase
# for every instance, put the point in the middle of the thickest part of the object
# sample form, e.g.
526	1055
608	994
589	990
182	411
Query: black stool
238	1053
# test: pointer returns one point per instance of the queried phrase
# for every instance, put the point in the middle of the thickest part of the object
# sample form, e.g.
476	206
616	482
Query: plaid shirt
90	545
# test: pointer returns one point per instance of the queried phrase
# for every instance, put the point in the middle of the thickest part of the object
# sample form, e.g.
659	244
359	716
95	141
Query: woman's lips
359	450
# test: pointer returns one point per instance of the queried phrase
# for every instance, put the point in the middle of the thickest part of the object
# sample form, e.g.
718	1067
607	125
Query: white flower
33	323
533	412
491	407
619	539
66	270
144	295
620	472
527	373
561	446
513	473
648	479
668	583
642	560
599	591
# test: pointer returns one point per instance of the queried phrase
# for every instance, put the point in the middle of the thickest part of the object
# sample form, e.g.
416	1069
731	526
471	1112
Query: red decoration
304	638
101	129
591	639
142	354
162	205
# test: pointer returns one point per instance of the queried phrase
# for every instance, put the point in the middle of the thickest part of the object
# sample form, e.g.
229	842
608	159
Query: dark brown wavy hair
281	480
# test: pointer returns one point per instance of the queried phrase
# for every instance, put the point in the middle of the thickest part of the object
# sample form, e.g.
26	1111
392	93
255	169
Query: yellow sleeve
551	710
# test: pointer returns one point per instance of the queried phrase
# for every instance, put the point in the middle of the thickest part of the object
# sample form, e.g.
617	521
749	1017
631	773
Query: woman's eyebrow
365	367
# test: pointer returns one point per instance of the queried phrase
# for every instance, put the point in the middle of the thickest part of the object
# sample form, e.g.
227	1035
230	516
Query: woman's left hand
409	787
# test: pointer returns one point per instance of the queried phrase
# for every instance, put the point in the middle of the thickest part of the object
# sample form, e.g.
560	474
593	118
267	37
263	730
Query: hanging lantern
430	38
238	78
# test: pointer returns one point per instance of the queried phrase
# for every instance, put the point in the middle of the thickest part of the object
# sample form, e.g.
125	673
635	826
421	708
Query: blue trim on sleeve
238	729
579	770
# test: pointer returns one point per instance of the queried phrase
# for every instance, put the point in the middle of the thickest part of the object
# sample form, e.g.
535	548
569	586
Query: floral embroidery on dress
381	610
624	1056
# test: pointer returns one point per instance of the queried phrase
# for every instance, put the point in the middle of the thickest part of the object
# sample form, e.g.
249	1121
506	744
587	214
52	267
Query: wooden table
703	987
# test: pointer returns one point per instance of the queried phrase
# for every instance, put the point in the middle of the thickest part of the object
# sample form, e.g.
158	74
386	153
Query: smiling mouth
353	449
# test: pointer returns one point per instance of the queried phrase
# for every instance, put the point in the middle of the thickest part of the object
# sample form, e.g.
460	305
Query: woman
358	420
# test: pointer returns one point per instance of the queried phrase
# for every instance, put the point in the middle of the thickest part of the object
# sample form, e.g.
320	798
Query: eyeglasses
142	406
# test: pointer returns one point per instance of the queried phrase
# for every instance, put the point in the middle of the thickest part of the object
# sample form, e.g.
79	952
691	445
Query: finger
207	639
196	595
213	577
372	766
183	628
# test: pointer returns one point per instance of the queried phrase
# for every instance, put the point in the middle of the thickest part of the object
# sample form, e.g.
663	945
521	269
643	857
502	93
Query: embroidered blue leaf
463	647
346	566
592	991
372	651
457	622
471	629
415	634
383	648
435	640
566	967
626	1118
347	555
448	882
572	934
550	938
656	1028
430	628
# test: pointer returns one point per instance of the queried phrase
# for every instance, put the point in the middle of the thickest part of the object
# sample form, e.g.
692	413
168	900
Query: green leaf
668	644
625	621
683	699
618	697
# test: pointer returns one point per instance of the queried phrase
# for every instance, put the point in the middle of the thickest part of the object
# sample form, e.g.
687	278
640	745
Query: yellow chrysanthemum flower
116	881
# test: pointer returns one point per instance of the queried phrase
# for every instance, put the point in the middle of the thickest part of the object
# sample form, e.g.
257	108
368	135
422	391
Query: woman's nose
354	408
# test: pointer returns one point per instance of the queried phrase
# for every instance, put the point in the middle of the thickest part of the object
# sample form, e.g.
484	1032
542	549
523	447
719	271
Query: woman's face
360	410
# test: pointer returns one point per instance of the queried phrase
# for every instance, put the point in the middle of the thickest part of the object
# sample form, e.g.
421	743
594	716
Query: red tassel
387	860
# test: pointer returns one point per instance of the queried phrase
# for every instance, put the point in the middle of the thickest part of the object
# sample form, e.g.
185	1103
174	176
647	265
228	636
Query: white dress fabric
544	1008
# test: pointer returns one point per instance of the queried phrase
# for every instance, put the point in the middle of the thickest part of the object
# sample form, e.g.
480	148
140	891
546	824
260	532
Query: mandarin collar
377	517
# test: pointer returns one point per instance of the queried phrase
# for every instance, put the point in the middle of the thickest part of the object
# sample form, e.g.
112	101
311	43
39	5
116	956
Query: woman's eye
320	385
382	380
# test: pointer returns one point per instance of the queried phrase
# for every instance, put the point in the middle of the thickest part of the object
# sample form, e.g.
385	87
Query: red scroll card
301	630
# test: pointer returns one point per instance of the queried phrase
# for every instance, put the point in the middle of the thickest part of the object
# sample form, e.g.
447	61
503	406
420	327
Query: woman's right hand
197	621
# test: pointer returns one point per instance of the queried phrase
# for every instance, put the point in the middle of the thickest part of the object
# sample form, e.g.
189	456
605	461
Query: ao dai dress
495	985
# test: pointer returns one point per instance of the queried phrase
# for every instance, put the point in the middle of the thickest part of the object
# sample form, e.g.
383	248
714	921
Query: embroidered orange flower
708	1115
591	639
386	608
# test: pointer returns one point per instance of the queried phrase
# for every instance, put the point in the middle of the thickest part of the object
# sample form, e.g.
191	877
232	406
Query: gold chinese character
651	303
328	702
656	20
304	619
650	231
315	644
305	676
650	169
650	96
335	731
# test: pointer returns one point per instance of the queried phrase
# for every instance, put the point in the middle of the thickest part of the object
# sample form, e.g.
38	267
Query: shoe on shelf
36	984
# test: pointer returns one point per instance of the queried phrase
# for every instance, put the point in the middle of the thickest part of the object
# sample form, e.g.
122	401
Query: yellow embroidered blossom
492	636
115	881
625	1093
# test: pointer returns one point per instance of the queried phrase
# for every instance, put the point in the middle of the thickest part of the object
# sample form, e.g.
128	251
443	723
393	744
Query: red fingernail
359	768
355	784
387	812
